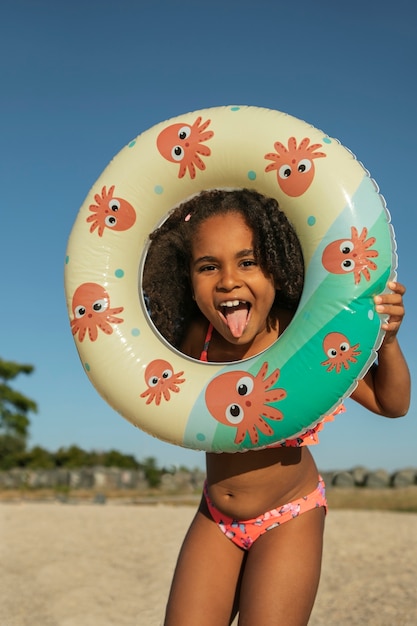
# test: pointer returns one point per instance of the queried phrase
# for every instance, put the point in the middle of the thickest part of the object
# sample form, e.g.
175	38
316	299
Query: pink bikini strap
204	353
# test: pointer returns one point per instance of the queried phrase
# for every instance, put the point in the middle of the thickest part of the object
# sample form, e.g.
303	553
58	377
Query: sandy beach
105	565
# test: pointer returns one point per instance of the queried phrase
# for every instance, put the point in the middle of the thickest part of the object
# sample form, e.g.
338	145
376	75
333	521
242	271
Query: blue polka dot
132	143
119	273
66	260
200	437
327	140
158	189
371	314
311	220
87	367
235	108
135	332
252	175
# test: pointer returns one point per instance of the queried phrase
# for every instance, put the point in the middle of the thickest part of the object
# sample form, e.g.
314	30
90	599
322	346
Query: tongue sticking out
236	318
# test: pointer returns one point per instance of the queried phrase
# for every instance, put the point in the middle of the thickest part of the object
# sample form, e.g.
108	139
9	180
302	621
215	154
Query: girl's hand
391	304
385	388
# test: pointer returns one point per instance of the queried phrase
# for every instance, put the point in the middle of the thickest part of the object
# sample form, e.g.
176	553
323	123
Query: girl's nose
228	280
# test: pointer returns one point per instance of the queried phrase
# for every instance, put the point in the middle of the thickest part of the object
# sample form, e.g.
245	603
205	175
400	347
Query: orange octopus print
161	381
184	143
240	400
110	212
91	311
351	255
340	353
294	165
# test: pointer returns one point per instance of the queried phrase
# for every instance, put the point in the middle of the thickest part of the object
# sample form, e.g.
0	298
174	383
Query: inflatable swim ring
349	252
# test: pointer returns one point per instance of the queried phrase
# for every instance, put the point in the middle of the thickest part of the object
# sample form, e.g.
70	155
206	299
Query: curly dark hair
166	276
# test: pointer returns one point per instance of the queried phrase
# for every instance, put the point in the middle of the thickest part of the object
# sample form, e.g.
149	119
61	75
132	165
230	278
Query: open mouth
235	314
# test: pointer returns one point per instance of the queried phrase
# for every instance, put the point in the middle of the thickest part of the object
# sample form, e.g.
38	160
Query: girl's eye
249	262
206	268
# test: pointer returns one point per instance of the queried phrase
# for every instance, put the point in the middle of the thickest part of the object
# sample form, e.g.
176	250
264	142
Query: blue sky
80	79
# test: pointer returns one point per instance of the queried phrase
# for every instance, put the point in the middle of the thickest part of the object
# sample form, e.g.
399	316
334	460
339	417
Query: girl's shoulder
194	339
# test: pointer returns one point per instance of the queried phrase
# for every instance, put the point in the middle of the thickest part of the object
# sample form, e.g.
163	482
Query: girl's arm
386	387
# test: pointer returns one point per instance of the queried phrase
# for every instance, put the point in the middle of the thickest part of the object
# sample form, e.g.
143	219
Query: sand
103	565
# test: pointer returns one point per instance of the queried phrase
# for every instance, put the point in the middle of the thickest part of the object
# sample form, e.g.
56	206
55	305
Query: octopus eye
79	311
177	153
114	205
153	381
166	374
244	386
344	346
234	413
284	171
99	306
110	221
348	265
184	133
304	165
346	247
332	353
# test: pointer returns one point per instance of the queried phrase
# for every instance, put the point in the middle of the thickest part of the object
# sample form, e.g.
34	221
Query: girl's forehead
223	232
232	219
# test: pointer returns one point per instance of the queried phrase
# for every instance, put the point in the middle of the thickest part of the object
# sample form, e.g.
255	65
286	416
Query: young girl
223	276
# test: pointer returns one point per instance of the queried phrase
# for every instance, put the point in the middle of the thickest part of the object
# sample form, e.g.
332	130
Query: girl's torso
245	485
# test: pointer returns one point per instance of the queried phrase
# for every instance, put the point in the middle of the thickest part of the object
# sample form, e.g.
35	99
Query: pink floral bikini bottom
245	533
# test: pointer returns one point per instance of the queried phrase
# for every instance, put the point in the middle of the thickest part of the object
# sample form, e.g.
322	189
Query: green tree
38	458
73	456
14	409
152	472
113	458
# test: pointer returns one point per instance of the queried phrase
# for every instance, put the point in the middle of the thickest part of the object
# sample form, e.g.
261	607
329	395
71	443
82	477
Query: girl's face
229	287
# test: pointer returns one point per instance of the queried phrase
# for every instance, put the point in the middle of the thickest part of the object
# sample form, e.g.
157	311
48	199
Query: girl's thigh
206	577
282	573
